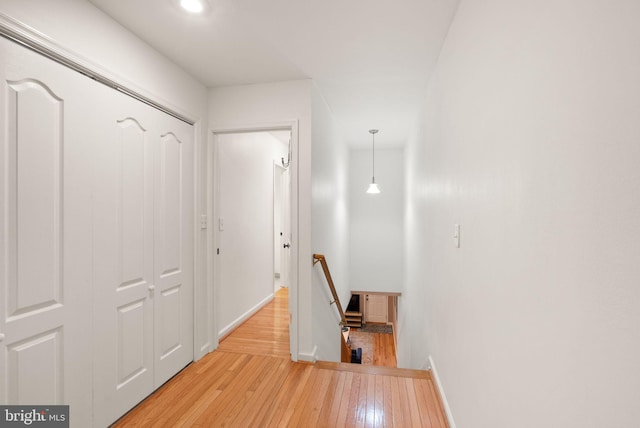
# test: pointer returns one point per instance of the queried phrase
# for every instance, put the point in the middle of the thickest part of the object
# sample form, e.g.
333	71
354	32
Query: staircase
345	349
354	319
246	383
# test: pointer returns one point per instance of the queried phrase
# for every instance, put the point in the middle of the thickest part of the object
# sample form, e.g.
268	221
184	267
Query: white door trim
212	214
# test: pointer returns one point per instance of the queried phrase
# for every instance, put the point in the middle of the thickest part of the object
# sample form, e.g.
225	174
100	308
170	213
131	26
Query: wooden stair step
375	370
354	319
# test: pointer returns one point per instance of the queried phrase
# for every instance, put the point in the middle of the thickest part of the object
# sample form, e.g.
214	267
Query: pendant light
373	187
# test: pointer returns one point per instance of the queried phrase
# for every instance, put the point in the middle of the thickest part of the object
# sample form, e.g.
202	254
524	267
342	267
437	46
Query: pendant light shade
373	187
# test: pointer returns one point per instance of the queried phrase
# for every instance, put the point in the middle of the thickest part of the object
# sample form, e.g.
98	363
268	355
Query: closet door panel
45	218
35	369
170	184
123	260
33	253
135	285
36	222
173	248
134	212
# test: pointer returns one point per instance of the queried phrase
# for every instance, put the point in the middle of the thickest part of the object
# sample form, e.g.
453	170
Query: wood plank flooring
238	387
265	333
378	349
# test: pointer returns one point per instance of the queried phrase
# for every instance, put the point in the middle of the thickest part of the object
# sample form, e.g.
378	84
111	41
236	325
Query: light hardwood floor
378	349
250	382
265	333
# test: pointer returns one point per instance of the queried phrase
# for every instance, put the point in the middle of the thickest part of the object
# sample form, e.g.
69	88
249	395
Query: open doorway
372	317
251	205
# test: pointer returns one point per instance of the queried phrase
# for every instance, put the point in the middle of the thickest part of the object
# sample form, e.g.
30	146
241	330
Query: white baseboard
311	358
230	327
445	403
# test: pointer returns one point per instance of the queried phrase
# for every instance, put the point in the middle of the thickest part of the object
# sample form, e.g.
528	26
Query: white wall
529	140
330	226
376	221
245	198
80	28
254	105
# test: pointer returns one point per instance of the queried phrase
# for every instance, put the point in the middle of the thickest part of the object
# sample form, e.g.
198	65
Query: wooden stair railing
320	258
345	350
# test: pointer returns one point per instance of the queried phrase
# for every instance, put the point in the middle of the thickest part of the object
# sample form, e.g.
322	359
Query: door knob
286	246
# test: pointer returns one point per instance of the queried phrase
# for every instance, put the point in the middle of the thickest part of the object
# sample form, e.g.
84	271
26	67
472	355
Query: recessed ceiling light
193	6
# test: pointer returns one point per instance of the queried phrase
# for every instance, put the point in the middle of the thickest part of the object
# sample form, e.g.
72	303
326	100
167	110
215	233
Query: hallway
250	381
265	333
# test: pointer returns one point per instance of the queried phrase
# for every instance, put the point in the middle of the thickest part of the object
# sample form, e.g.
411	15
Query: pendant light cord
373	154
373	158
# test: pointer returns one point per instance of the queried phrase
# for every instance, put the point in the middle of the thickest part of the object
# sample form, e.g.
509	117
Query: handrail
320	258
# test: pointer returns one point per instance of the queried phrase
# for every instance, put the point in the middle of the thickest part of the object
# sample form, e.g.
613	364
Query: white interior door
285	224
173	252
278	235
282	234
376	308
45	219
123	260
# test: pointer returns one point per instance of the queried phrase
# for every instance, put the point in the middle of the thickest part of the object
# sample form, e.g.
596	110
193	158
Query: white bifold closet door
142	232
96	255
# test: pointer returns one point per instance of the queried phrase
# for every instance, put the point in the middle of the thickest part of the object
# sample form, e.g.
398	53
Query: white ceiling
370	58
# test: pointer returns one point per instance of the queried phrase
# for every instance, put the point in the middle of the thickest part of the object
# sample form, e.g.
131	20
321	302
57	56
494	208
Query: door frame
212	183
